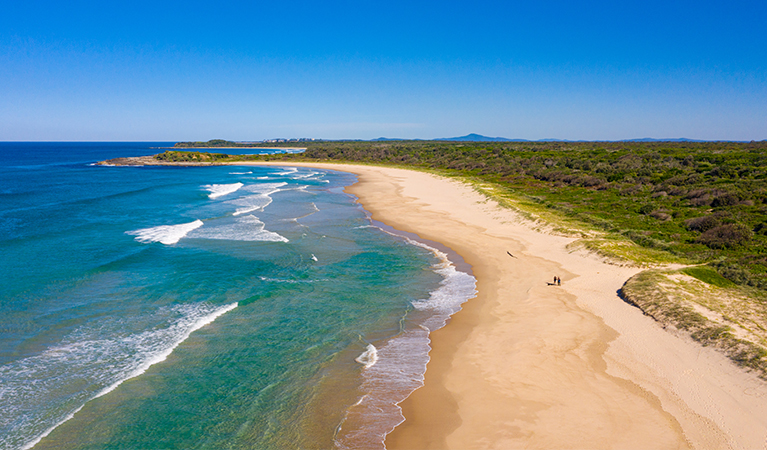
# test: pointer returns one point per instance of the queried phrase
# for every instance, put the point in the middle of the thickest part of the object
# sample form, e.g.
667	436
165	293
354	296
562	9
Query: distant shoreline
244	146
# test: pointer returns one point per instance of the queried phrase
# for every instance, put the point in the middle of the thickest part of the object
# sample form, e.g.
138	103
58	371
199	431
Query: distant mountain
473	137
662	140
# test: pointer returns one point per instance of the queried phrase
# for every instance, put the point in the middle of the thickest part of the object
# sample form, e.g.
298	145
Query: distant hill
662	140
473	137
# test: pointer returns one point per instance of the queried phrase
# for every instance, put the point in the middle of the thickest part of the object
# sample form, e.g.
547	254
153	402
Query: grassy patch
708	275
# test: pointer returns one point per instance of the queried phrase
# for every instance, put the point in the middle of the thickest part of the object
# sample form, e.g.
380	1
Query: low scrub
731	235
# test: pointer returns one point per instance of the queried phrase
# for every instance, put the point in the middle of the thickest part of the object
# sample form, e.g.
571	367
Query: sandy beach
527	364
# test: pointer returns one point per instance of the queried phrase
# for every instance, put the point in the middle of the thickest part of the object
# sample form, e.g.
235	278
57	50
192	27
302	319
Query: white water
218	190
101	357
287	171
251	203
257	202
369	357
165	234
246	228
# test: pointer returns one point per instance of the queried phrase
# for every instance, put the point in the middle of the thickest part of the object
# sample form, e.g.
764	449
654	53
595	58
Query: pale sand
527	365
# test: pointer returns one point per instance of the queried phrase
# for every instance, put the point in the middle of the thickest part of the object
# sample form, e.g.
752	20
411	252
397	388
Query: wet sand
529	365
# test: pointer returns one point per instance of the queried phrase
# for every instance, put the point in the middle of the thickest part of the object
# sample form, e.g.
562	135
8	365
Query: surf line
456	259
159	357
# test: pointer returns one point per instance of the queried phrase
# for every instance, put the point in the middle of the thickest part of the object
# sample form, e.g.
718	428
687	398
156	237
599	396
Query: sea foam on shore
397	367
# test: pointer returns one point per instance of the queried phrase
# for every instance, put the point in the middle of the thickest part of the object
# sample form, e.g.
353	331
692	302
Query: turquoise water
213	307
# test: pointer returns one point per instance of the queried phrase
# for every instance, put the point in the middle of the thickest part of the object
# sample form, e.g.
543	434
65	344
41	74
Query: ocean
218	307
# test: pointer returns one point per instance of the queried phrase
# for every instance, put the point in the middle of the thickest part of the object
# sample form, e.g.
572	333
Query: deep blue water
204	307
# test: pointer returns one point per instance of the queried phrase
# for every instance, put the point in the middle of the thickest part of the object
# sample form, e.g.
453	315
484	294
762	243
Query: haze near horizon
353	70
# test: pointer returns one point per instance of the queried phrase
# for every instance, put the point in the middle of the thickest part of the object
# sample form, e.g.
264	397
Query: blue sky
86	70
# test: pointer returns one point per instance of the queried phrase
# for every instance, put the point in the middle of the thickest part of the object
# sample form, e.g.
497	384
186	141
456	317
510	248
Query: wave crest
218	190
104	363
165	234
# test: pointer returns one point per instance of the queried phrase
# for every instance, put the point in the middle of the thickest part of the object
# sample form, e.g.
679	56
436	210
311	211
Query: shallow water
206	307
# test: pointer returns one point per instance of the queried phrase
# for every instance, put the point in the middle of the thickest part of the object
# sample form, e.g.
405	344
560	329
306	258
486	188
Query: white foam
165	234
296	219
455	288
278	280
102	362
251	203
240	173
305	175
246	228
218	190
188	329
258	202
369	357
265	187
287	171
34	442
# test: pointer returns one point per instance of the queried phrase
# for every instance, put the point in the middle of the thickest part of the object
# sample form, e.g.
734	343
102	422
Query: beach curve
527	364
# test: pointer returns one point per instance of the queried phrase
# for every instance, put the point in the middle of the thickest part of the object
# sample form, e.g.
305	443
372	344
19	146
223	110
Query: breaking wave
103	360
246	228
218	190
165	234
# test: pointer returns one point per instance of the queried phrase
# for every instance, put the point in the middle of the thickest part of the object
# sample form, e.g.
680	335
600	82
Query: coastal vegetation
213	143
222	143
701	205
192	156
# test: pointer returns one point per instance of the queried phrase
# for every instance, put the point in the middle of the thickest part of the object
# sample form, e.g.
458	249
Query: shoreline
525	364
214	148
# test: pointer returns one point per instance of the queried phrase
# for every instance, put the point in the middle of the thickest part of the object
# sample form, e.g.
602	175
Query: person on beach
559	281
